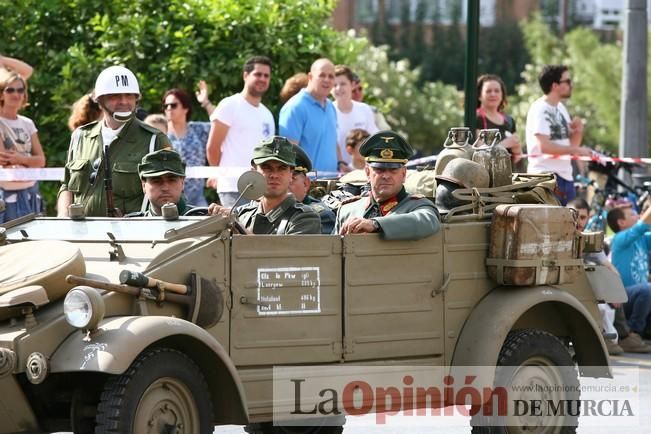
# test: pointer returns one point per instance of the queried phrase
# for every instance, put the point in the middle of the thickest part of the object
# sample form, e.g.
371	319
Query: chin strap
121	117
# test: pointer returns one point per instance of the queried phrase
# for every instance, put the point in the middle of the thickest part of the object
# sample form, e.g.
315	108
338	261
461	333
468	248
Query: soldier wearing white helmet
102	166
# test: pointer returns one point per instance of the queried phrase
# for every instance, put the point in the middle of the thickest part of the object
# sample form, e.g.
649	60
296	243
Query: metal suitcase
533	245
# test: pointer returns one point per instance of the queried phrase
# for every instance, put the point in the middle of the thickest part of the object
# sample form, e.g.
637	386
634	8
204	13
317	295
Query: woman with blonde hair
20	147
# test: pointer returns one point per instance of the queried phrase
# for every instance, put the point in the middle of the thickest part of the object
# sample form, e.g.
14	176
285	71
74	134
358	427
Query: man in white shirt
238	124
550	130
351	114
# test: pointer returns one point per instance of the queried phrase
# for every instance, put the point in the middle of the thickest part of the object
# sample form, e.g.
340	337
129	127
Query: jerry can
494	157
457	144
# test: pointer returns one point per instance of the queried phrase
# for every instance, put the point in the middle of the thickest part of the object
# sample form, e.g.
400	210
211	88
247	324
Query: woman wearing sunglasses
20	147
188	138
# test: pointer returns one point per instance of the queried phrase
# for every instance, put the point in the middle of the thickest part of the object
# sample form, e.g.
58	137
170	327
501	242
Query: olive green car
119	354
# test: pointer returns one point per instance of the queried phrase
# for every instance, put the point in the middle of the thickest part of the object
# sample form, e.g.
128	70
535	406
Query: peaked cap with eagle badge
386	149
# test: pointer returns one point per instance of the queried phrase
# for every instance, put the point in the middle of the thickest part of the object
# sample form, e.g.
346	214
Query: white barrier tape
422	160
56	173
31	174
596	157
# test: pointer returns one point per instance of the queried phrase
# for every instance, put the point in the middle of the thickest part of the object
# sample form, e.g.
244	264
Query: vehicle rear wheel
163	391
541	363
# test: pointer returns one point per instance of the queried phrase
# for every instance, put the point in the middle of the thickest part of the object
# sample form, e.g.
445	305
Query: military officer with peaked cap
388	209
300	188
277	212
162	175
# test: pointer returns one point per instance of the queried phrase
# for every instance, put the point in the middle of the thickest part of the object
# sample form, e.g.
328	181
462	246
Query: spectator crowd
323	126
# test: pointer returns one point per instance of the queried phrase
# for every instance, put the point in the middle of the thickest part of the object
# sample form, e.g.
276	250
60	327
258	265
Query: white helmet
116	79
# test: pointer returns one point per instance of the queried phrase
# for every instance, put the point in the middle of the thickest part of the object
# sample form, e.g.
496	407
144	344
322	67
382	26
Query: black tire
83	409
162	389
541	354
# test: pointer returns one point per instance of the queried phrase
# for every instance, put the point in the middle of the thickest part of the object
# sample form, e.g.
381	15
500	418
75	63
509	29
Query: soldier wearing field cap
388	210
300	188
162	175
277	212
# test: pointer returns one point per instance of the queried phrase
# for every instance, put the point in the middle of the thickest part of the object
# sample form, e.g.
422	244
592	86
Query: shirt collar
390	204
278	211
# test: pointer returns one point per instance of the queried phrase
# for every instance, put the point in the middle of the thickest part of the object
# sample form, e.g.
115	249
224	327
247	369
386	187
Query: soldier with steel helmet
101	170
388	210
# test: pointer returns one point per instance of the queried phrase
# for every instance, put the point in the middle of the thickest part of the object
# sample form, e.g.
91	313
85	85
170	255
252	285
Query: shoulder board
88	126
351	199
246	206
318	207
303	207
417	196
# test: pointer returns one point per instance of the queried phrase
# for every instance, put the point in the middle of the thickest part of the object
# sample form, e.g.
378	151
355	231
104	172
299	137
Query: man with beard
238	123
388	210
550	130
101	170
277	212
309	118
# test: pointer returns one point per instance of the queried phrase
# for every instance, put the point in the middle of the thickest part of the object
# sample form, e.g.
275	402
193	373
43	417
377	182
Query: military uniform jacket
409	217
326	215
149	211
290	217
125	153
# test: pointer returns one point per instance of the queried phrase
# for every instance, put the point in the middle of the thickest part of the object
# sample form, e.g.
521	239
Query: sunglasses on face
171	105
10	90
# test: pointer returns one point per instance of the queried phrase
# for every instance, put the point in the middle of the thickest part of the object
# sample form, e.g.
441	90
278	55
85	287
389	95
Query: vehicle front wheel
533	366
163	391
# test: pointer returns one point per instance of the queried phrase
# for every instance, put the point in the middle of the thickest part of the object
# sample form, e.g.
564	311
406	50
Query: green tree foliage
167	43
432	37
596	75
422	112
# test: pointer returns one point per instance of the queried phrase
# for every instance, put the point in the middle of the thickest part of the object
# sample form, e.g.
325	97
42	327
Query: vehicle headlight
83	307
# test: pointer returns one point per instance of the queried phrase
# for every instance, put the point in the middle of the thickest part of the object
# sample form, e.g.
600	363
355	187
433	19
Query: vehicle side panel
297	282
465	246
391	308
286	299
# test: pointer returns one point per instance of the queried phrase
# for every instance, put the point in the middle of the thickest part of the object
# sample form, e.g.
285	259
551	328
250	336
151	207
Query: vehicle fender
119	340
543	307
606	285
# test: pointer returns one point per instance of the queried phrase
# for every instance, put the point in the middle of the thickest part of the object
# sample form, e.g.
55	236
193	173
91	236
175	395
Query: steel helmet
458	173
465	173
116	79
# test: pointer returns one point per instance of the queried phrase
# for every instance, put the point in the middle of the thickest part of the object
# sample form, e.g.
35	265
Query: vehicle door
392	304
286	299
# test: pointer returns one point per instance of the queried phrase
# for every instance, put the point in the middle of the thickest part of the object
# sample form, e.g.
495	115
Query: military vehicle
173	326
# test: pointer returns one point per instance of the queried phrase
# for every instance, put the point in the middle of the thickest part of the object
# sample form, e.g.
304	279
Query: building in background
364	14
